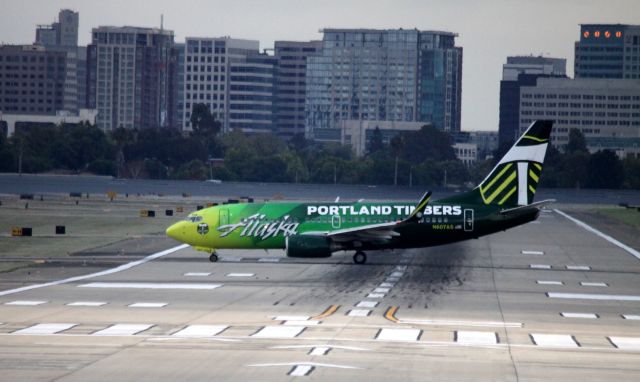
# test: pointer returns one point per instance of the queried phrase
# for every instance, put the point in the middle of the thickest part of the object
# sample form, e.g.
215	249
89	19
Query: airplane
503	200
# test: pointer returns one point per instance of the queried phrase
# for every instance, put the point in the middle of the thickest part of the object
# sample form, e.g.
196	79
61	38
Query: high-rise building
384	75
606	111
34	80
206	76
291	84
608	51
131	74
517	72
64	32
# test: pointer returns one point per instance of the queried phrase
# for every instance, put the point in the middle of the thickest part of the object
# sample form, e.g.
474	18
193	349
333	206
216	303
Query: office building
291	84
517	72
383	75
131	75
34	80
608	51
606	111
63	33
359	133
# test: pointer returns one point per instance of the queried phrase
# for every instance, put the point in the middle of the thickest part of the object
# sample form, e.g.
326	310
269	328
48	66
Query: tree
203	122
427	143
397	143
631	173
605	170
376	143
576	143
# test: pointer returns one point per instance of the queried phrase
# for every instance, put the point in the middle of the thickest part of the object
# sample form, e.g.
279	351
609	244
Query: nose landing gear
360	257
213	257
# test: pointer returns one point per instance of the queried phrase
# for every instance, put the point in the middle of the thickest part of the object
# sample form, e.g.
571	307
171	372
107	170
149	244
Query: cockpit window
194	219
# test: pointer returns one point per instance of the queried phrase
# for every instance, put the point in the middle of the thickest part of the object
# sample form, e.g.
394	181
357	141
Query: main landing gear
213	258
360	257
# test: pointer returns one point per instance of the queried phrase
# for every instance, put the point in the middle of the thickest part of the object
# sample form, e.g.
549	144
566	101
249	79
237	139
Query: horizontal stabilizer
530	207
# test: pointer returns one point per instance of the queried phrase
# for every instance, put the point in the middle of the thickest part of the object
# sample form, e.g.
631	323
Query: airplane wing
527	208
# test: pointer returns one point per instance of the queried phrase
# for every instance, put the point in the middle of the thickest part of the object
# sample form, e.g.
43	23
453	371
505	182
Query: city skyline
541	27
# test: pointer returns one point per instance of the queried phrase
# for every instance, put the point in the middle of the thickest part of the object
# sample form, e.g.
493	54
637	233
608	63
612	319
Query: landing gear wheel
213	258
360	257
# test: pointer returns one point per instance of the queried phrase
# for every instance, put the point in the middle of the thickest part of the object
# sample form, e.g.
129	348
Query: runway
551	300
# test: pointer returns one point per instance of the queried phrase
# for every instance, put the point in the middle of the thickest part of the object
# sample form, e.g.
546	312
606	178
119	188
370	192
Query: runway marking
392	279
150	285
401	268
240	274
291	318
45	329
301	370
631	317
390	314
461	323
537	253
148	305
593	284
387	285
358	313
381	290
398	334
375	295
554	340
316	346
602	235
197	274
96	274
320	350
548	282
327	312
87	303
396	274
316	364
200	331
367	304
230	259
590	296
540	266
278	332
25	303
626	343
122	330
476	338
301	323
269	259
578	268
579	315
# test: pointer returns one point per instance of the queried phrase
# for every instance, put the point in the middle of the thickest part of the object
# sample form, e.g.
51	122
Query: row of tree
423	157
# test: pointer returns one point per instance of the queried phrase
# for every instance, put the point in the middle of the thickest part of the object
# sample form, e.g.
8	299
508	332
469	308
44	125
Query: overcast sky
489	31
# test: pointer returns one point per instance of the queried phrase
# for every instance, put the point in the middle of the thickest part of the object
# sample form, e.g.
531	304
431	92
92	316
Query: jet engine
307	246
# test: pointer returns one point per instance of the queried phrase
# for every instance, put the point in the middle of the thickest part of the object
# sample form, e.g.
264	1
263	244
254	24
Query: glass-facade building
385	75
608	51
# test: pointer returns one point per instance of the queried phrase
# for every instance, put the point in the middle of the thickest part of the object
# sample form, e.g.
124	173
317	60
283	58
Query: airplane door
468	220
224	217
336	221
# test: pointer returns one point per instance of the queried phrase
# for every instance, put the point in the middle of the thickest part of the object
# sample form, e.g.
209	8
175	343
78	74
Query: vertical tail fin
514	180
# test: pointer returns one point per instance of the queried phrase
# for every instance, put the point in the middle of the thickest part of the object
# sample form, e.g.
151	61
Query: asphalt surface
64	184
548	301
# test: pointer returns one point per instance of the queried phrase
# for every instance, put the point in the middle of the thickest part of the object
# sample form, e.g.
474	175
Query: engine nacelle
307	246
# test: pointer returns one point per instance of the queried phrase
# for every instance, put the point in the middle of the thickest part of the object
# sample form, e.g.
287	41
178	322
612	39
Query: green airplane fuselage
266	225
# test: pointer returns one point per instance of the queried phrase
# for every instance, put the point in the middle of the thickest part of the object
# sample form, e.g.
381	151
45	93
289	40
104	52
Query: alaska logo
203	228
256	226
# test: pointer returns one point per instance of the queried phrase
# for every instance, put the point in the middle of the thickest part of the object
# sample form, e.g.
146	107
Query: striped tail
514	180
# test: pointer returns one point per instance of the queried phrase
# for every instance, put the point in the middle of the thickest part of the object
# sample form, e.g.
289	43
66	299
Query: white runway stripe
148	305
279	332
123	330
375	295
540	266
291	318
319	350
554	340
536	253
197	274
358	313
631	316
301	370
387	285
101	273
45	329
398	334
592	296
240	274
269	259
87	303
200	331
151	285
578	268
25	303
301	323
381	290
626	343
602	235
579	315
476	338
593	284
367	304
397	274
549	282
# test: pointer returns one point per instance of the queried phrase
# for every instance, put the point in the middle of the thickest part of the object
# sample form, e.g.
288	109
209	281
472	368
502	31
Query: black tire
360	257
213	258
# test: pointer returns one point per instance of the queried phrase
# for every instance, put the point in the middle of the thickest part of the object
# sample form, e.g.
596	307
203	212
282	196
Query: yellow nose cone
176	231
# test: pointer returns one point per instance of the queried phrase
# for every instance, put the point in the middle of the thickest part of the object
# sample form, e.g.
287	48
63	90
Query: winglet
420	207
